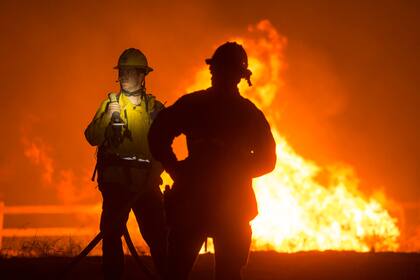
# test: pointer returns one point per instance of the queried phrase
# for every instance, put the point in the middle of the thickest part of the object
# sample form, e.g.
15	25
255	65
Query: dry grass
41	247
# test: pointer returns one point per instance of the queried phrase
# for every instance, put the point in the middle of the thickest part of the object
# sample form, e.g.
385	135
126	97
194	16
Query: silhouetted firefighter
128	176
229	142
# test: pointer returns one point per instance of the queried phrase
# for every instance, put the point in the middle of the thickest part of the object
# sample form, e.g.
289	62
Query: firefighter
125	167
229	143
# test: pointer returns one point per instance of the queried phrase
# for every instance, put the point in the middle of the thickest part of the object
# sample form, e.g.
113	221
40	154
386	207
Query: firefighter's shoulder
191	98
155	102
251	108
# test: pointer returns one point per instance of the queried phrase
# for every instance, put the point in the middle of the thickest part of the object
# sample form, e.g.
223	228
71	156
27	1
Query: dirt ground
262	266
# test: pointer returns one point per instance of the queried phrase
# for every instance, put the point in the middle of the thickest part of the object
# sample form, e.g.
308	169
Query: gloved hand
113	107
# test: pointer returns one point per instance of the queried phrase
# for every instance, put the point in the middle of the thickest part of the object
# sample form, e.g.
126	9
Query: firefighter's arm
263	156
95	132
155	172
168	124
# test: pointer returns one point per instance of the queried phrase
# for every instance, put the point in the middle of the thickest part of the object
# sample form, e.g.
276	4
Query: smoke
68	186
37	152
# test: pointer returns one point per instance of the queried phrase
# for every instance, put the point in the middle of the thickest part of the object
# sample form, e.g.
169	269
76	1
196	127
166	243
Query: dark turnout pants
149	213
231	243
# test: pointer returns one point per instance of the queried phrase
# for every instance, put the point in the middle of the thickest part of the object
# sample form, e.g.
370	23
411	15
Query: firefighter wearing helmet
127	174
229	143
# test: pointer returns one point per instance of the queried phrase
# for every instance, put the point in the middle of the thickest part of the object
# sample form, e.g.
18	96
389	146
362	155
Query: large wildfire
296	211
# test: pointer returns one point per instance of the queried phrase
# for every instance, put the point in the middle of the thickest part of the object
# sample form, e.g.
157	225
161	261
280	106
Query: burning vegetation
296	211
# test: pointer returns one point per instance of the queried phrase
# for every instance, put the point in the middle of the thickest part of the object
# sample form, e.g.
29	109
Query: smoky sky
351	86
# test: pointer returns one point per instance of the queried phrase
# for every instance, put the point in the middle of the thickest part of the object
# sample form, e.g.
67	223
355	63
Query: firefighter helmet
133	58
231	55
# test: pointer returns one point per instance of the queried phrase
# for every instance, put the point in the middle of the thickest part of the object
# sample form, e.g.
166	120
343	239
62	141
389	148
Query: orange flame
297	213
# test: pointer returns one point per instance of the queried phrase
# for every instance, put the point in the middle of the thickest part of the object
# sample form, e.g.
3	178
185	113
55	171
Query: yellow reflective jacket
137	120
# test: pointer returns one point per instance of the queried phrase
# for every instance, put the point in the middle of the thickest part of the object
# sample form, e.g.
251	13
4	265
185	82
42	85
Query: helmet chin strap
138	92
248	79
247	76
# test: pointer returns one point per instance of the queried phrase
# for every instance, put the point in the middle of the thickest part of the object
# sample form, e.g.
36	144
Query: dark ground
262	265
